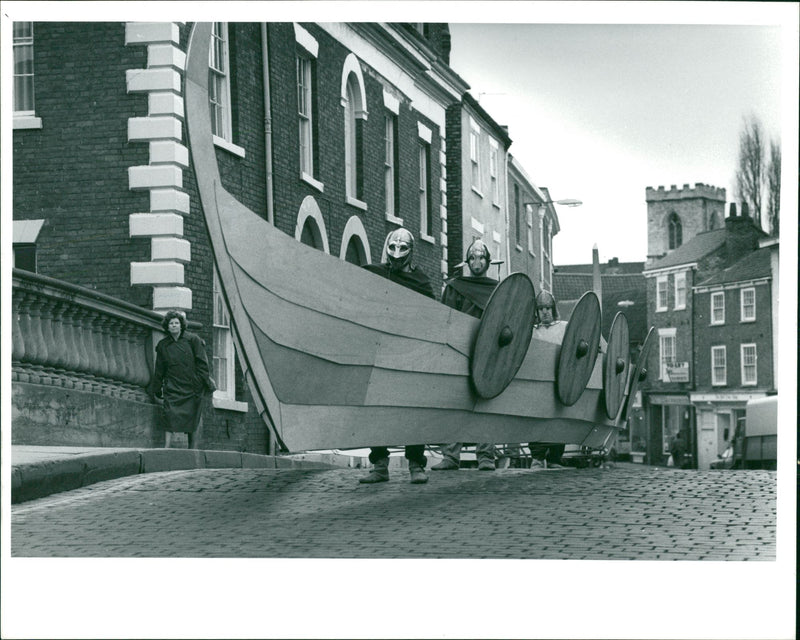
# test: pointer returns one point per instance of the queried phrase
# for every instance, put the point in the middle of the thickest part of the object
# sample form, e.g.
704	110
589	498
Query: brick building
532	223
477	200
733	338
673	312
333	132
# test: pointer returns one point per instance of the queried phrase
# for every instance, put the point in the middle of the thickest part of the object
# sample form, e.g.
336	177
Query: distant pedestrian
677	449
181	378
399	268
470	294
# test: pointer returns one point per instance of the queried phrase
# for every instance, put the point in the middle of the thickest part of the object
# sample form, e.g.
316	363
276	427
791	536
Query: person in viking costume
470	295
400	268
546	454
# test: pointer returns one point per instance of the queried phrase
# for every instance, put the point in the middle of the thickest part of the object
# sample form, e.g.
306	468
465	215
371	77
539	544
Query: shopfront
717	416
668	414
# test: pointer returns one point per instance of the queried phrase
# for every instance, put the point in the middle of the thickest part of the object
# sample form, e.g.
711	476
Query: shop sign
725	397
662	399
677	372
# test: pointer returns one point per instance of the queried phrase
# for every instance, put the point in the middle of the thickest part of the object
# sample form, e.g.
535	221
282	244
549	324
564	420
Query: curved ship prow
337	357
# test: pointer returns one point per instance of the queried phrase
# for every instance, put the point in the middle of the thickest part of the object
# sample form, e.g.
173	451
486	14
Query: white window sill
750	384
717	324
312	181
355	202
496	205
475	190
719	384
235	149
683	308
27	122
661	310
427	238
748	321
393	219
228	404
518	248
532	253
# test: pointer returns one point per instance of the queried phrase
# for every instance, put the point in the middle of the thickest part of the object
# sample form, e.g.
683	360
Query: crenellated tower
675	216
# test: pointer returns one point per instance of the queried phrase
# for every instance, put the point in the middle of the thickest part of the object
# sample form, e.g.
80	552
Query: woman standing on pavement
181	377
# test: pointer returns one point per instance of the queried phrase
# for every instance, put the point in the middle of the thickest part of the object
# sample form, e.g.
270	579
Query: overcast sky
600	112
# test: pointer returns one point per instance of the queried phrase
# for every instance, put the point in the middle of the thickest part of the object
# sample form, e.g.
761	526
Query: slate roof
753	266
569	287
605	267
695	249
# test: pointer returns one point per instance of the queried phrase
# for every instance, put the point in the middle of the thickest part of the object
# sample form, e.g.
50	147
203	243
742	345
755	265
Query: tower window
675	231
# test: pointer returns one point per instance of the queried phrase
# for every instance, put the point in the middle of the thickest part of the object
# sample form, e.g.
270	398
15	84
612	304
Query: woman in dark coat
181	377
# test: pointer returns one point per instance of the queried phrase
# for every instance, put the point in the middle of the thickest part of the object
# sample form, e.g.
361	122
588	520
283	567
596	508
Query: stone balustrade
76	338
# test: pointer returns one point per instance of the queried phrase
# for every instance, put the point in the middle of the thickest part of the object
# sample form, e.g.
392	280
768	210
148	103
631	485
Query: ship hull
338	357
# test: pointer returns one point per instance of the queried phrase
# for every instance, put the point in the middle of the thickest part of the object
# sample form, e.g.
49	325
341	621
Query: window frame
305	114
715	382
475	156
220	75
662	284
494	161
742	306
224	397
713	320
390	164
665	335
24	118
674	231
424	190
745	381
679	277
529	222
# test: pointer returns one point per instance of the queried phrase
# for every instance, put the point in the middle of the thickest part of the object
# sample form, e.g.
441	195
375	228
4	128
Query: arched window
675	231
310	227
310	234
355	244
355	253
355	113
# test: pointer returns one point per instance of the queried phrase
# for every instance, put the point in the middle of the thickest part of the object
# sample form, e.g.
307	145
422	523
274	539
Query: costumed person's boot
417	472
378	473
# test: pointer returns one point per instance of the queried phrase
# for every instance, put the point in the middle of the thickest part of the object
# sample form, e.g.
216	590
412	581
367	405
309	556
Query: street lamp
567	202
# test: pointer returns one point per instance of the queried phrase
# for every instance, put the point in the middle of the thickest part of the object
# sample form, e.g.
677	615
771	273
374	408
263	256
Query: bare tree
750	171
774	187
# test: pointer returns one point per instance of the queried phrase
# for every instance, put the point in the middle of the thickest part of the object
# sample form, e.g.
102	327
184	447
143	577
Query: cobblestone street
627	512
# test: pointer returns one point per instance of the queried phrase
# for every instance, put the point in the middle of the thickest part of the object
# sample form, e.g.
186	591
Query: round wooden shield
503	336
639	373
579	349
616	365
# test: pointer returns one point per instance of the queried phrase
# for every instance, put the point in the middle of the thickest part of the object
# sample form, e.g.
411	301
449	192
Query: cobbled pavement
626	512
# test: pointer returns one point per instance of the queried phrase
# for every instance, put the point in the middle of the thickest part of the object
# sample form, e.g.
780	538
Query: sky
599	112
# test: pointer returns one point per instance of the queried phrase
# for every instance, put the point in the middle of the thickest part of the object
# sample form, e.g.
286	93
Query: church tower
675	216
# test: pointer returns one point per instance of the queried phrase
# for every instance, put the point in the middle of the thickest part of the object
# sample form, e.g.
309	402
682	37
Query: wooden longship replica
338	357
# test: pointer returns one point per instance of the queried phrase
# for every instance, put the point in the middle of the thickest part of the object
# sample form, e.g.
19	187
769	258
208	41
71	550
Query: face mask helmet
399	249
545	300
478	258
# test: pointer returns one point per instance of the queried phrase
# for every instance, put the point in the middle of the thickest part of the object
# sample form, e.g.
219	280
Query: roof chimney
745	210
733	210
597	285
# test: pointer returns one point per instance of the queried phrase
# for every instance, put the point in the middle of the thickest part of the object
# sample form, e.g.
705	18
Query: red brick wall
732	334
73	172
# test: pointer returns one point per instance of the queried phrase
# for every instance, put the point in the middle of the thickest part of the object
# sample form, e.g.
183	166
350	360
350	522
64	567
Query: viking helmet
399	249
545	300
478	257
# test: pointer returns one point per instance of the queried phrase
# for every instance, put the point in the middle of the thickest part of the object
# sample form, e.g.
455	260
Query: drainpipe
507	220
267	121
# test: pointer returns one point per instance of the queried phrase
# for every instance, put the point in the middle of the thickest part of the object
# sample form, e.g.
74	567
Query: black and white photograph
419	320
